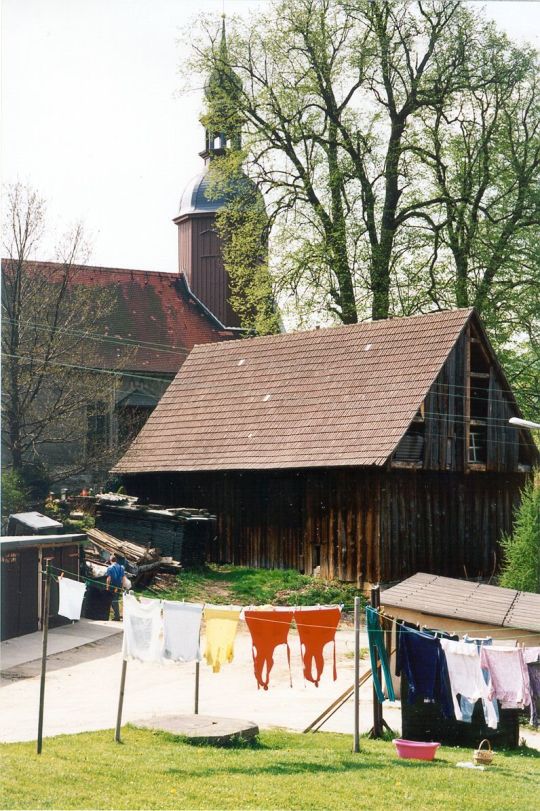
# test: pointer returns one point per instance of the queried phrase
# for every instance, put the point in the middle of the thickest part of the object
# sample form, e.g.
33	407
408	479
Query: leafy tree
397	143
14	496
241	222
521	568
48	355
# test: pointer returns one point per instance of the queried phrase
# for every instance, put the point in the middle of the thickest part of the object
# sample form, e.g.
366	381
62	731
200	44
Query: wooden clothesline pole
45	625
120	702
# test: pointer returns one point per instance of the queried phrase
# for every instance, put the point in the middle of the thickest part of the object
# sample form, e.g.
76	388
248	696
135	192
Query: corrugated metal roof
342	396
8	542
463	600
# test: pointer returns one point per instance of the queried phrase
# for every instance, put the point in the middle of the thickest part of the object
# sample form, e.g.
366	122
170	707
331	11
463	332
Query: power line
103	338
116	372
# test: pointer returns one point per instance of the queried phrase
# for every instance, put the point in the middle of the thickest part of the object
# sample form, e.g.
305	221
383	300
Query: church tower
199	245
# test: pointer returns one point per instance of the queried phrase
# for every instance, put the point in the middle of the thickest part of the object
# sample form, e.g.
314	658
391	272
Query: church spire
222	119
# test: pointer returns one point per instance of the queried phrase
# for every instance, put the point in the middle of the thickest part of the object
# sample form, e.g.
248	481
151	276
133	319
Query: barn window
97	428
479	399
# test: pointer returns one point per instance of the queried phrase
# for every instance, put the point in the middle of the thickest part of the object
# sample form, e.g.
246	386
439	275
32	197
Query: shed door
19	592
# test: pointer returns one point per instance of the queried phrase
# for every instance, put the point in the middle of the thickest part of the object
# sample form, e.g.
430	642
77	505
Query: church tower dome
199	245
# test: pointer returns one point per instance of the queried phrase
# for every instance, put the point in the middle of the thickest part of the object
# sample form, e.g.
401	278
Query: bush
14	495
521	568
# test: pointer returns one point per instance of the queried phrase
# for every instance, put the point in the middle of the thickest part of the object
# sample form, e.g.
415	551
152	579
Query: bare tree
53	371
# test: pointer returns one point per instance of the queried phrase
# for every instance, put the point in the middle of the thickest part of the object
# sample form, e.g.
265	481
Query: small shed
33	523
465	607
462	607
23	558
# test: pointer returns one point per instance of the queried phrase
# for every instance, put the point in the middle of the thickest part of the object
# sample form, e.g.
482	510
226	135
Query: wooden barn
372	451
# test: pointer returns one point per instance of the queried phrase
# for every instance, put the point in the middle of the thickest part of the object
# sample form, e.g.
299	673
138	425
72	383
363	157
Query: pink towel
509	676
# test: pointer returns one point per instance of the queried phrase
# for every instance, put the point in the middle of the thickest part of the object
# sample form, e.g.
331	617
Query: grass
283	770
245	586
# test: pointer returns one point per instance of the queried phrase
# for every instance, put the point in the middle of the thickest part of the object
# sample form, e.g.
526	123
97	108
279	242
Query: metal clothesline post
356	739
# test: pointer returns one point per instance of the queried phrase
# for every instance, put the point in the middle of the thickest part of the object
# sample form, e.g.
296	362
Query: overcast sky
93	118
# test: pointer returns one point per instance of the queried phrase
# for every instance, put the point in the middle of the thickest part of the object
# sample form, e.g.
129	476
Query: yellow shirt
221	624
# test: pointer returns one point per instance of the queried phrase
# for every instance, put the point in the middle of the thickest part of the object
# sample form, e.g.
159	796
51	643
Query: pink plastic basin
417	750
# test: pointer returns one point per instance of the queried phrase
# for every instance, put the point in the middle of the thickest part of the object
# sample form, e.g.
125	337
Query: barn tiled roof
154	317
464	600
332	397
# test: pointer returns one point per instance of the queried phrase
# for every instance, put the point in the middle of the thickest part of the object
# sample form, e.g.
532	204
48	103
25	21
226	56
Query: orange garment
316	627
268	629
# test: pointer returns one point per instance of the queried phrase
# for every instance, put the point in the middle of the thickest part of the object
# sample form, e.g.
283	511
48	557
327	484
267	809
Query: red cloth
268	629
316	627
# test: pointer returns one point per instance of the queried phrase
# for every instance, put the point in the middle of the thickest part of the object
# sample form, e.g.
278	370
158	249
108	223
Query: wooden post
45	624
377	729
197	674
120	702
356	739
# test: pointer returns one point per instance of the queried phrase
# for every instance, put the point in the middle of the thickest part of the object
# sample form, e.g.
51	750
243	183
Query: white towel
181	631
71	595
467	679
143	630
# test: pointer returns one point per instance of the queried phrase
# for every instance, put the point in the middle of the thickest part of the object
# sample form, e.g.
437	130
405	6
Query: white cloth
71	595
181	631
467	679
143	630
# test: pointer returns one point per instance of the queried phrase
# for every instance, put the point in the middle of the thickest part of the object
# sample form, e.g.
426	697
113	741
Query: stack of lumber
142	563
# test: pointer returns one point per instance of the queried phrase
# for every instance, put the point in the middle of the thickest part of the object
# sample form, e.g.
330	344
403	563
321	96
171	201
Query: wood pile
142	562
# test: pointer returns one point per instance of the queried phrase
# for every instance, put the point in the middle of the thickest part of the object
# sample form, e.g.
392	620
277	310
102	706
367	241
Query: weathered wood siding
444	442
449	412
358	525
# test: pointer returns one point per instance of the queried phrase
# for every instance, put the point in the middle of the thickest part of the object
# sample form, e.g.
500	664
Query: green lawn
283	771
246	586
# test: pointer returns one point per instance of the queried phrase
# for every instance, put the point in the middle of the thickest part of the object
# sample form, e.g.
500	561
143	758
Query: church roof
153	313
195	198
342	396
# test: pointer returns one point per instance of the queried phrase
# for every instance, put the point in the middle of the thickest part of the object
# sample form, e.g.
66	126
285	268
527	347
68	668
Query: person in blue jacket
115	576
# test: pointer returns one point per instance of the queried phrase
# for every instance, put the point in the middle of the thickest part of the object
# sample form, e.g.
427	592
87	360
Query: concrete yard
83	682
83	679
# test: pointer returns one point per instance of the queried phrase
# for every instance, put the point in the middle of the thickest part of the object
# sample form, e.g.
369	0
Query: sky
93	115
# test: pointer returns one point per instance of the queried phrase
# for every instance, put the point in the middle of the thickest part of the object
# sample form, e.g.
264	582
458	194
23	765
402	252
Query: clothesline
277	609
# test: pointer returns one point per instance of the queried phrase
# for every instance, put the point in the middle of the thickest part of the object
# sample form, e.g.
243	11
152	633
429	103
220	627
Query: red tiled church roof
332	397
154	313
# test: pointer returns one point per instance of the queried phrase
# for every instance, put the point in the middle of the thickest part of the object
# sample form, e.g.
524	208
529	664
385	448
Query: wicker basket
483	757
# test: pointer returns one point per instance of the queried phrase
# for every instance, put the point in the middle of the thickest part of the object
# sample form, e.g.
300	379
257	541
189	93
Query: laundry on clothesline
467	680
268	628
509	676
221	625
377	647
467	706
143	629
70	598
181	631
316	628
421	658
